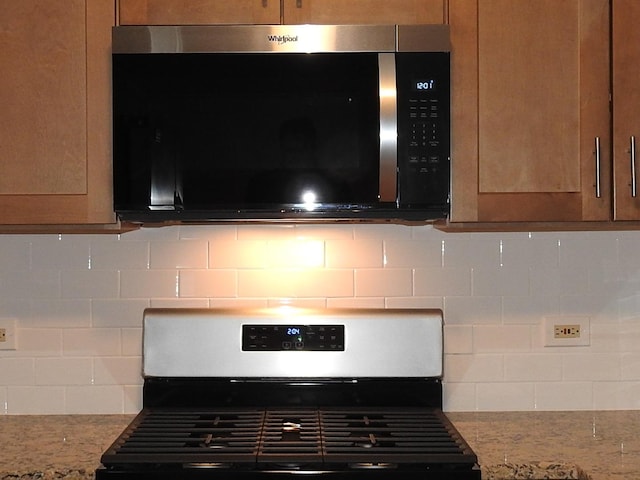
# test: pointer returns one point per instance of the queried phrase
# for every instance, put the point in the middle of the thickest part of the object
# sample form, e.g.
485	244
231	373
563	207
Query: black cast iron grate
290	437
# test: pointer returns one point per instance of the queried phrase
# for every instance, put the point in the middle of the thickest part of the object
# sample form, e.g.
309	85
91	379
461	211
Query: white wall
79	301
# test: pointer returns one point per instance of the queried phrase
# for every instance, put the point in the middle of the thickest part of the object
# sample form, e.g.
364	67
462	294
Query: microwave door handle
388	186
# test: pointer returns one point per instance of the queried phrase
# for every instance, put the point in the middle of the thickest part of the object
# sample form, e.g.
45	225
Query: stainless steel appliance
275	393
293	122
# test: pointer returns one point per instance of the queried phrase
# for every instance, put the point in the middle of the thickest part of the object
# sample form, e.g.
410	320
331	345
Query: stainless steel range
268	394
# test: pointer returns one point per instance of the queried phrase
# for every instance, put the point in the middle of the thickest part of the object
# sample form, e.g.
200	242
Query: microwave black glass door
208	131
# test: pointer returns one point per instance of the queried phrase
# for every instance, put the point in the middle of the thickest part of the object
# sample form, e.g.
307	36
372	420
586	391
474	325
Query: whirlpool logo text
282	39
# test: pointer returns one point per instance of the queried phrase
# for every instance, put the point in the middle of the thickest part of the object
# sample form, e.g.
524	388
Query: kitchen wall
78	302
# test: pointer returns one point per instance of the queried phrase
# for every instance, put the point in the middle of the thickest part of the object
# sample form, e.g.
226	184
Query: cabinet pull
298	3
265	3
597	152
632	155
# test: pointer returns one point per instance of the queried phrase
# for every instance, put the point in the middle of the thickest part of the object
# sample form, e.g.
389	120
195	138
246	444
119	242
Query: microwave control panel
265	338
423	126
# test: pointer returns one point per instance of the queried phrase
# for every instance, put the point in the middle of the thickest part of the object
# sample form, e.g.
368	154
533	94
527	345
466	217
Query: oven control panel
269	338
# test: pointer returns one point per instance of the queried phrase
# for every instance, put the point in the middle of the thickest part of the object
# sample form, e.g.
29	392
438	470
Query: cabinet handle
597	152
298	3
632	154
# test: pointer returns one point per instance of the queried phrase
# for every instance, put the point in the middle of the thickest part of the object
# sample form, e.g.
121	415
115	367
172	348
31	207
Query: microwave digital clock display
423	85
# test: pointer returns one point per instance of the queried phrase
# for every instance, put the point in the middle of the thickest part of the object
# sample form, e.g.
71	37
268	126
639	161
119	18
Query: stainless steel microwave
283	122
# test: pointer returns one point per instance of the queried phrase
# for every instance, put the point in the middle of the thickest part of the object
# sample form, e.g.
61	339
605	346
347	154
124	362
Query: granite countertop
509	445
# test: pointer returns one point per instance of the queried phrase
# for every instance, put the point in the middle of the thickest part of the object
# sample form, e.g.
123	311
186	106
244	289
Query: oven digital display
261	338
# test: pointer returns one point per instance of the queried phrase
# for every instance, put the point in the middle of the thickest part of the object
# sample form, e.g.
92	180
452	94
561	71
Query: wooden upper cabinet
195	12
530	103
363	11
626	108
55	141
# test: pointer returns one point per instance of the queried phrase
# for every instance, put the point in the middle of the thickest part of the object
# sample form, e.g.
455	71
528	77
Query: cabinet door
535	76
55	127
363	11
193	12
626	111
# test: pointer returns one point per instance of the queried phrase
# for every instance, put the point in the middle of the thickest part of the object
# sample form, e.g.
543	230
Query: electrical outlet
566	331
8	337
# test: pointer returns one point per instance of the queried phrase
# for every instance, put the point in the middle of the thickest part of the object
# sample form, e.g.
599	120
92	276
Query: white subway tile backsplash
591	367
117	371
132	399
523	250
459	397
108	253
64	371
473	368
237	254
4	403
49	252
546	281
341	253
601	308
414	302
117	313
575	249
324	283
413	253
58	314
532	367
87	342
36	400
39	342
564	396
501	338
442	282
132	341
208	283
631	366
383	282
95	399
528	309
33	284
458	339
15	253
178	254
472	310
149	283
515	396
90	284
17	371
616	395
504	281
79	300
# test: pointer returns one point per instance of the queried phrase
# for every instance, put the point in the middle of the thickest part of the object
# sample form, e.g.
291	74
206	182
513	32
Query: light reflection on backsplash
79	301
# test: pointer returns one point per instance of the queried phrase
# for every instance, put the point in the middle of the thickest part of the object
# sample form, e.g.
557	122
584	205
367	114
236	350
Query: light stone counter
531	445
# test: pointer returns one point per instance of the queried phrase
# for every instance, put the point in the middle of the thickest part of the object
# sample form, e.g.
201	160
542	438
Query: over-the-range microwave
281	122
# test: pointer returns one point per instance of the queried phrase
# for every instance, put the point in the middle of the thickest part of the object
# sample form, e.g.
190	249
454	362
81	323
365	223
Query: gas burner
372	442
211	442
291	427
